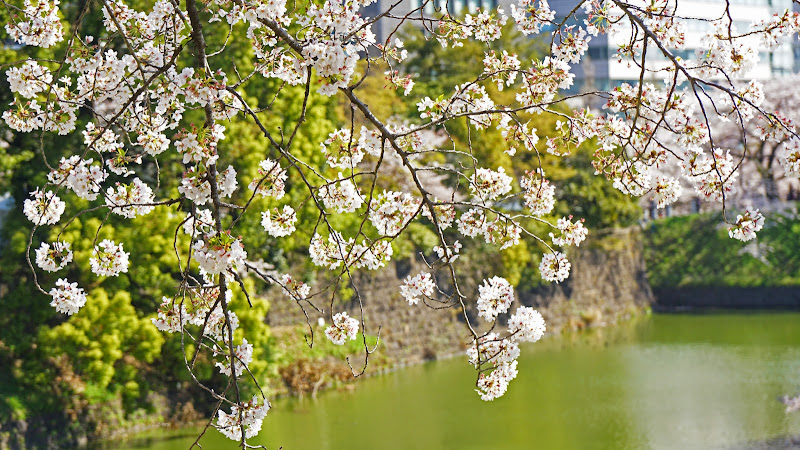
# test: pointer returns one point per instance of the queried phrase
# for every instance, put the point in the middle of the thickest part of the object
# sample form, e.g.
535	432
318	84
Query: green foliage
97	337
696	251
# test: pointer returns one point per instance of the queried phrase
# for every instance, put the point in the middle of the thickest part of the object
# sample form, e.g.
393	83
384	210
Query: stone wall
608	283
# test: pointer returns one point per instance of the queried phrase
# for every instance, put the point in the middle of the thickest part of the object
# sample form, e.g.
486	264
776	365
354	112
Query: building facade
598	69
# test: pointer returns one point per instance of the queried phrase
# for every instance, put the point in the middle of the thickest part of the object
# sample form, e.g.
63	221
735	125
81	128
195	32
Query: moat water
669	381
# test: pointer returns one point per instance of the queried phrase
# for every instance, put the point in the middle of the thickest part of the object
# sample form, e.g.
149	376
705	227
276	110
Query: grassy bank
696	251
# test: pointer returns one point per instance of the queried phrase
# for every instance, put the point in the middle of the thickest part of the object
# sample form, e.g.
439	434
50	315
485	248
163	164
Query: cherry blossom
420	285
344	328
243	355
391	211
219	252
108	259
279	223
144	87
55	259
495	297
296	289
554	267
526	325
44	208
271	178
245	418
342	196
747	225
68	298
130	200
539	194
172	316
572	233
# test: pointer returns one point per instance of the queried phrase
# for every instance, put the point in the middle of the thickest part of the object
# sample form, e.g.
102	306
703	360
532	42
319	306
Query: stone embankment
608	283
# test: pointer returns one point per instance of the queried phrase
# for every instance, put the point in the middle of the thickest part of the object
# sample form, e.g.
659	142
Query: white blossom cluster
274	179
502	232
252	415
131	200
44	208
173	314
572	233
525	325
68	298
344	328
666	191
789	157
40	26
79	175
391	211
445	214
243	355
109	259
554	267
495	297
341	196
487	184
331	253
420	285
279	223
747	225
339	150
219	252
538	193
53	259
199	223
295	288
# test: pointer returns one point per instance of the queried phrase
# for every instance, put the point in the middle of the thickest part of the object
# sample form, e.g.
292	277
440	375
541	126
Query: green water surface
670	381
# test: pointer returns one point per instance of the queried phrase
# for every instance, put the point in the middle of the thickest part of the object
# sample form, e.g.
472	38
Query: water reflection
672	381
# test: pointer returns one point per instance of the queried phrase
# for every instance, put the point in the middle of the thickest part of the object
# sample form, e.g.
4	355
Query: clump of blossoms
391	211
344	328
108	259
445	214
342	196
220	252
68	298
487	184
270	181
420	285
245	418
294	288
554	267
538	193
53	259
279	223
243	355
44	208
130	200
40	25
572	233
495	297
339	150
495	384
789	157
491	348
525	325
666	191
747	225
172	316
